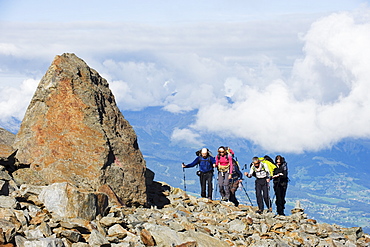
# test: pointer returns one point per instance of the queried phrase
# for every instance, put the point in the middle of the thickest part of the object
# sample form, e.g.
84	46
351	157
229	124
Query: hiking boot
259	212
224	199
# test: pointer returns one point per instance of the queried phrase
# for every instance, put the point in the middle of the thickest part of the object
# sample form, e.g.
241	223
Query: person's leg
278	195
227	186
265	190
202	178
209	177
284	187
233	188
221	184
258	188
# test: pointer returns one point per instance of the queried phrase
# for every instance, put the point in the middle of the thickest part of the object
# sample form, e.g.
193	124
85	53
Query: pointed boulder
74	132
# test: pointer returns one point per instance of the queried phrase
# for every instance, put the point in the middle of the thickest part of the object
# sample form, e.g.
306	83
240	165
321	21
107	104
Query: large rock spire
74	132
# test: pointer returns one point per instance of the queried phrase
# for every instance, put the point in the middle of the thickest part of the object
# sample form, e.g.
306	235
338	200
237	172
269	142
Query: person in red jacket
224	165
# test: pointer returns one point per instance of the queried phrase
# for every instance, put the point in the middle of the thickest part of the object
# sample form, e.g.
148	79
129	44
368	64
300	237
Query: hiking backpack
199	153
270	164
230	154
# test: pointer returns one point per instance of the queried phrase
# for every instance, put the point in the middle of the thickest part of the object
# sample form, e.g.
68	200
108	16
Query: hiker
280	179
236	179
224	165
261	172
206	163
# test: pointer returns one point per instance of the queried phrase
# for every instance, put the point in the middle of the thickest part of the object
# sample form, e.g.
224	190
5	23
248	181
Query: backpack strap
208	159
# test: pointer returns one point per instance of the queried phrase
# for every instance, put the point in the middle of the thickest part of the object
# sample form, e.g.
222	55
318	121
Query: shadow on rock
156	192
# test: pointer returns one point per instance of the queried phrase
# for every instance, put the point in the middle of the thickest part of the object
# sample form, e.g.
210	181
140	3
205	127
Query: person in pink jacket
224	165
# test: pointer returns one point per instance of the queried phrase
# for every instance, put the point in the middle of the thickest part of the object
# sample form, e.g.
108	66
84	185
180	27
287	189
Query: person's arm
250	174
192	164
284	174
216	161
268	176
240	174
230	166
213	161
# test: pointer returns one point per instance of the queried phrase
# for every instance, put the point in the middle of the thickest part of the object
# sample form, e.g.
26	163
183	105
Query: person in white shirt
261	172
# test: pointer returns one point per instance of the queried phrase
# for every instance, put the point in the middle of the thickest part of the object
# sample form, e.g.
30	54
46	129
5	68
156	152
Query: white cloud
8	49
186	137
325	101
14	101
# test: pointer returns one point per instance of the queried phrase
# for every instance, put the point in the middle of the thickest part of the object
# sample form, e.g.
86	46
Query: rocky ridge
61	215
74	132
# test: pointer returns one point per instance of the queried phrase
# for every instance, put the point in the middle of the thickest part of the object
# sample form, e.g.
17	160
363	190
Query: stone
237	226
79	224
44	242
80	245
21	216
97	239
45	229
72	235
188	244
26	190
113	198
5	176
20	240
66	200
9	228
110	221
6	141
33	234
117	231
2	237
205	240
8	202
74	132
147	238
29	176
7	245
164	236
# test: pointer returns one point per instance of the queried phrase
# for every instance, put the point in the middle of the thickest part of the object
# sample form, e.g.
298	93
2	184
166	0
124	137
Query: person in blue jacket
205	162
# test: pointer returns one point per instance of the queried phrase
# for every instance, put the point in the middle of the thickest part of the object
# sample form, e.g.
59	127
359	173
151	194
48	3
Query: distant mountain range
332	185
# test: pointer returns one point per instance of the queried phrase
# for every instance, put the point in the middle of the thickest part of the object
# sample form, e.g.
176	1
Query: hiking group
229	177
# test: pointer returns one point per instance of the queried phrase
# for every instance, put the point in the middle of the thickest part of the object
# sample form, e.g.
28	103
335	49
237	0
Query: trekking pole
268	193
215	190
273	200
247	194
183	170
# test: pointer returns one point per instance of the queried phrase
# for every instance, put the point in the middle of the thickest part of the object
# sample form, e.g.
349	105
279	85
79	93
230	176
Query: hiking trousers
223	184
280	192
234	185
206	181
262	193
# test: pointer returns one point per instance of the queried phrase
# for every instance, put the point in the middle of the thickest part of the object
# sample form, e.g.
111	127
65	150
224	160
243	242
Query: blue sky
161	12
301	64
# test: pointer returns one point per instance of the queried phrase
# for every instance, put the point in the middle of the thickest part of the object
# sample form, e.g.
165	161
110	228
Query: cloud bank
325	100
256	79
